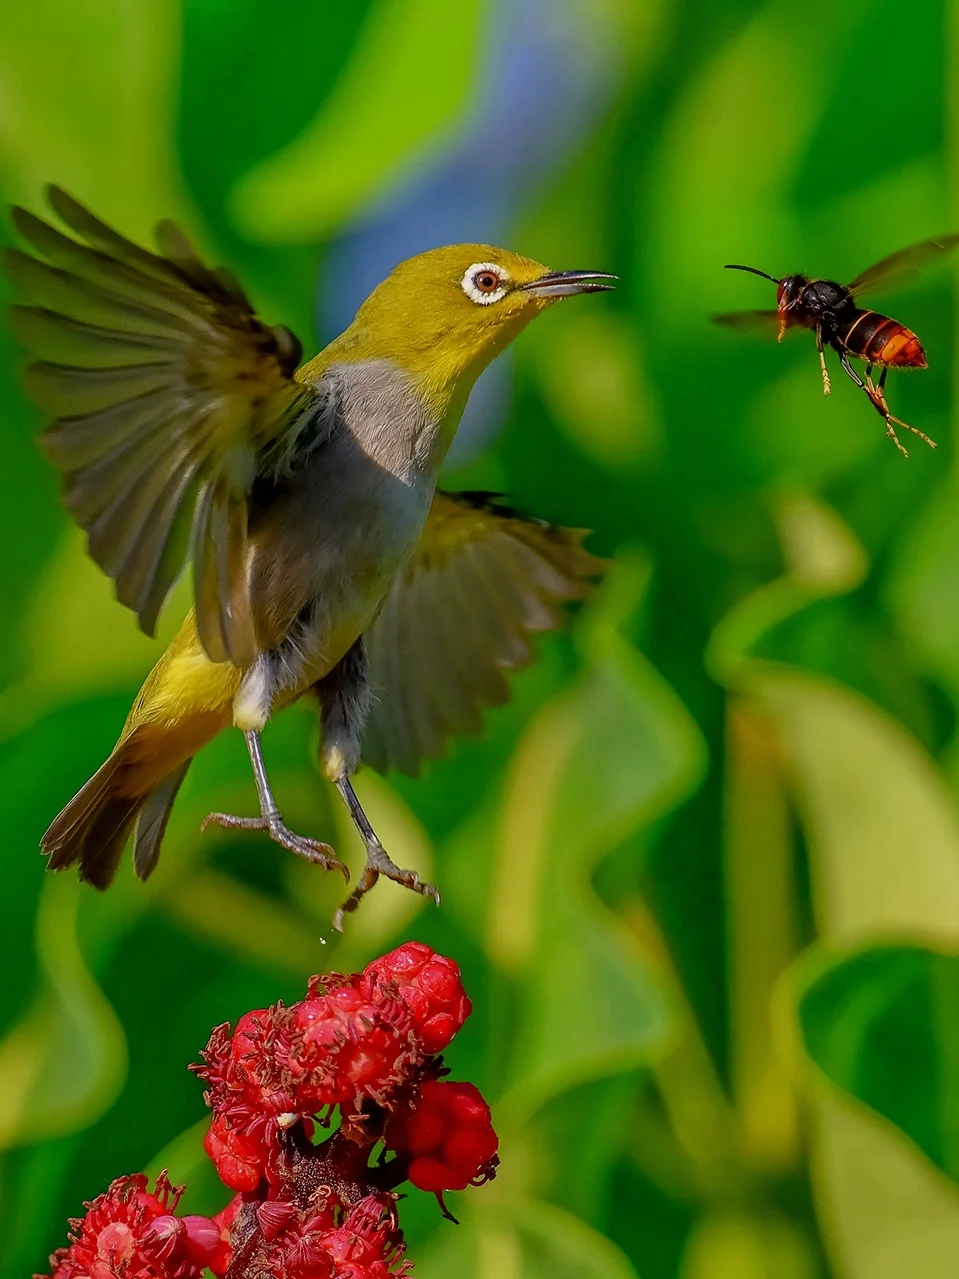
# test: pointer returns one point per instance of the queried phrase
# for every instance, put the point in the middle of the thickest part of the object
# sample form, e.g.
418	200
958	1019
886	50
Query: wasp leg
876	397
826	384
880	392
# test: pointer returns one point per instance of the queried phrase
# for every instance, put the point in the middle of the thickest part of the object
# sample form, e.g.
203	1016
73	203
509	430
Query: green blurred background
703	873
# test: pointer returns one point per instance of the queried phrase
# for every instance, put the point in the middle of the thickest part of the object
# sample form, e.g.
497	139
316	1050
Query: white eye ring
484	296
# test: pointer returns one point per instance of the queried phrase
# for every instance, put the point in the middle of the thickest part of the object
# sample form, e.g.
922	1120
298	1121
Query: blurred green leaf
883	1024
381	117
95	645
923	587
882	827
527	1238
885	1212
731	1245
884	847
596	764
609	410
287	68
822	557
64	1064
112	147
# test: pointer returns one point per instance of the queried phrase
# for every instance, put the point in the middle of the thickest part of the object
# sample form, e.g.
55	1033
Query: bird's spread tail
93	829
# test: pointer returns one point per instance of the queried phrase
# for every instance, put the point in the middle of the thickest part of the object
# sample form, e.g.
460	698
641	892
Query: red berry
240	1159
449	1133
425	1130
337	1047
470	1147
248	1034
429	986
433	1175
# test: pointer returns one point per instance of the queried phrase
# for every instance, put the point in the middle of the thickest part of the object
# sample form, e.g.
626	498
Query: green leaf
882	827
923	588
883	843
525	1239
93	108
387	108
748	1246
885	1211
596	765
287	67
63	1065
883	1024
96	645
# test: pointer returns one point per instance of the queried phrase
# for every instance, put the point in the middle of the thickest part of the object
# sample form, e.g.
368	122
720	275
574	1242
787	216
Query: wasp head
789	290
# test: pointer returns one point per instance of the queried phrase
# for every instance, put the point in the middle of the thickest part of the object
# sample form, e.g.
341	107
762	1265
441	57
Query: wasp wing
899	268
767	324
166	393
460	615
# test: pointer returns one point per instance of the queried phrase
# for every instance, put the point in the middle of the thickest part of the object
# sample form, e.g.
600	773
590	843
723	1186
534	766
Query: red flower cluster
129	1233
365	1043
365	1046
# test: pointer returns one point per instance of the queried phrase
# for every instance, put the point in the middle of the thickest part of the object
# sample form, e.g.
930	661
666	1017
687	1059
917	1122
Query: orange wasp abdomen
877	339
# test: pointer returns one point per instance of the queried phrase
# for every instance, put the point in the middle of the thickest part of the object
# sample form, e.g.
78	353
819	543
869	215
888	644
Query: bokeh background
702	873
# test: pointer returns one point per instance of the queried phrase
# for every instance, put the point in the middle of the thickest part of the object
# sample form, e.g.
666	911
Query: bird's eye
485	282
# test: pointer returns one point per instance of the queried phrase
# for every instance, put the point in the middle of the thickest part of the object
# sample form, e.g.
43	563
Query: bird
326	562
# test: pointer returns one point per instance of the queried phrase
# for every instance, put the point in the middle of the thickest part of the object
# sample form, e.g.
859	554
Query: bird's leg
826	384
875	393
378	861
344	700
250	712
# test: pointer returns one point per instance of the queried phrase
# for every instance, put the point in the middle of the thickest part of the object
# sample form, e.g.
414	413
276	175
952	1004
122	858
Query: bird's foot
314	850
378	862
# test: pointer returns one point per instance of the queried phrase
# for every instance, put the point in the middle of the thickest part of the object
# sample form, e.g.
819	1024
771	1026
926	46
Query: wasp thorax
823	295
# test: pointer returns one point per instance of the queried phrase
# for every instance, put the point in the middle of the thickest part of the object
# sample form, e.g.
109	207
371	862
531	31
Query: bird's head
443	315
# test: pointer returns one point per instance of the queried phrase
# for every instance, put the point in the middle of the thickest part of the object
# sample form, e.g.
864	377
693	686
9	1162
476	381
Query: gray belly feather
345	521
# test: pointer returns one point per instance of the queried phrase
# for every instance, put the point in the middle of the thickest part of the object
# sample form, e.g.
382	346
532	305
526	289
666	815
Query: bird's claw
379	862
313	850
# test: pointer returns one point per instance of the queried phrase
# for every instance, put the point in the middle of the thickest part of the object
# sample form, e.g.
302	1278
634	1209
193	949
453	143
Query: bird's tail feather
152	820
93	829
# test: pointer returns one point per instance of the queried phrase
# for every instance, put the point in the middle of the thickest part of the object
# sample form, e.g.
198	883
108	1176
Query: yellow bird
324	559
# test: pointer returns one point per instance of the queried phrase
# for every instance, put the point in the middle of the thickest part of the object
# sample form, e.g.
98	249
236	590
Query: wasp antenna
730	266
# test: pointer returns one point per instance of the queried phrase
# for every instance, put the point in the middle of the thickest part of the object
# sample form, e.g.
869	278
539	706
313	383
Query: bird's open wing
166	393
480	583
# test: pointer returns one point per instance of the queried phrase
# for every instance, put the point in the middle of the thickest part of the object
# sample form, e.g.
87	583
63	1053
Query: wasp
831	310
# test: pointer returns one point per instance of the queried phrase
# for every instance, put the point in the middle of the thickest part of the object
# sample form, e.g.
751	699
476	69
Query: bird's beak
563	284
